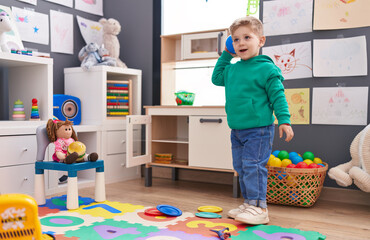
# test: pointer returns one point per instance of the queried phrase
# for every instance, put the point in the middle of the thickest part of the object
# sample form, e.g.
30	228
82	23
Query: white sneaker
253	215
234	212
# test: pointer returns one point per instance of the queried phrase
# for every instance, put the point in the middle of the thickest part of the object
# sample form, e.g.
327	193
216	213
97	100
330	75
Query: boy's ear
262	41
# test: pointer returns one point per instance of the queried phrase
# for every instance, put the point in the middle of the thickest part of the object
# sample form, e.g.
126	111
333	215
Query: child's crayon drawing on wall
299	105
294	60
340	57
341	106
61	25
32	26
287	17
339	14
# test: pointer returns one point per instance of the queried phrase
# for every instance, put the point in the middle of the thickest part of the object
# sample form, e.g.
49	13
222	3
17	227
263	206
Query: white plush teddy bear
358	169
5	26
111	28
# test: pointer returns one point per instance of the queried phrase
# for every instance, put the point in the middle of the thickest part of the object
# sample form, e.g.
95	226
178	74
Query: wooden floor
338	221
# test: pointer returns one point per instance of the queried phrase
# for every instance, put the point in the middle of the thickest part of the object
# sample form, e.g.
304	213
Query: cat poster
61	25
341	14
12	37
294	60
32	26
67	3
340	106
287	17
340	57
90	6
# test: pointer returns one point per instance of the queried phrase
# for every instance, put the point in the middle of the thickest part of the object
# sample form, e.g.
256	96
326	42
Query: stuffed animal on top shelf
111	28
67	147
5	26
92	55
357	170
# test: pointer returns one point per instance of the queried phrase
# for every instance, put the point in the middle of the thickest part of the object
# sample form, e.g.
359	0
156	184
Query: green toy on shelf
184	98
18	111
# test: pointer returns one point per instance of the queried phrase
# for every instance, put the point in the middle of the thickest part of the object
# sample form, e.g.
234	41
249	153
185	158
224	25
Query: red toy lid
153	212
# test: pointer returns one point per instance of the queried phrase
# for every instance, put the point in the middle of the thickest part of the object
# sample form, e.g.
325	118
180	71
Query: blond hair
254	23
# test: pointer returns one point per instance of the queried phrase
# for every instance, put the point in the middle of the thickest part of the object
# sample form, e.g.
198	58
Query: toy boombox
67	107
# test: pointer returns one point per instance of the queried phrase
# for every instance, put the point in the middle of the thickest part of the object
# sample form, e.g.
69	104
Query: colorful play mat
124	221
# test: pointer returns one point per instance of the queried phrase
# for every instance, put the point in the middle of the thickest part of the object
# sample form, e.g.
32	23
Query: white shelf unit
91	88
24	77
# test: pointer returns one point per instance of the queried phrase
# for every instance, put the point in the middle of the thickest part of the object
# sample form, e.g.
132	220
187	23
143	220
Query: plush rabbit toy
358	169
67	148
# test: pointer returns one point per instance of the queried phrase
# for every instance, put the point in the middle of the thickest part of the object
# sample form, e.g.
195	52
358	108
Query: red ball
34	100
314	165
291	165
301	165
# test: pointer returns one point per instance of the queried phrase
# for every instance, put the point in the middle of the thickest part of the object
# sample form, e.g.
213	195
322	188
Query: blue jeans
251	149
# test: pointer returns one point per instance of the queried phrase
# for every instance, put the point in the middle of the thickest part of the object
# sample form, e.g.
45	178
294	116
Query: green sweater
253	91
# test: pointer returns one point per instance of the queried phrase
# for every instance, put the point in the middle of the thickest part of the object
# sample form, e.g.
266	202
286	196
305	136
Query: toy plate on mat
208	215
213	209
153	212
169	210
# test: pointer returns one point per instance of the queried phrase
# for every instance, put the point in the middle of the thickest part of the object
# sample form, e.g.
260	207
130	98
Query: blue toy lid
208	215
169	210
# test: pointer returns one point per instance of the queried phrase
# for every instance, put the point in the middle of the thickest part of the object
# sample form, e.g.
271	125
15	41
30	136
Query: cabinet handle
219	51
204	120
123	141
25	149
25	178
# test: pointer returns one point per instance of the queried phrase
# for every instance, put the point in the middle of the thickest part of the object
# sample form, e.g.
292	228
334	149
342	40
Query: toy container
184	98
295	186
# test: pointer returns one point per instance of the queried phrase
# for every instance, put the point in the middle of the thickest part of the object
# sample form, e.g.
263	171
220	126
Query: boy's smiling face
247	43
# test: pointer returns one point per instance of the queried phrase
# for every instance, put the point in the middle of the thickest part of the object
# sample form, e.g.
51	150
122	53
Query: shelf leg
148	176
175	174
236	186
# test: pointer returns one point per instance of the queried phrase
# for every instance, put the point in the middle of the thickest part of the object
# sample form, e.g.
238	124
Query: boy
254	89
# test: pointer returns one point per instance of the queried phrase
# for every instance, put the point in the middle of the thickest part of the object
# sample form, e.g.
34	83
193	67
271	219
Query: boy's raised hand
232	54
288	130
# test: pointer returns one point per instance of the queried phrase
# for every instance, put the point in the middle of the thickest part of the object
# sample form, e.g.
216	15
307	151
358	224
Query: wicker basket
295	186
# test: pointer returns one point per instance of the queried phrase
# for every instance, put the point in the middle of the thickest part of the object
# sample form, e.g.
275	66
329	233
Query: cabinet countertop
173	110
183	106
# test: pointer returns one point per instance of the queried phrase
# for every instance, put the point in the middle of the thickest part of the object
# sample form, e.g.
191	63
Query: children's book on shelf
119	94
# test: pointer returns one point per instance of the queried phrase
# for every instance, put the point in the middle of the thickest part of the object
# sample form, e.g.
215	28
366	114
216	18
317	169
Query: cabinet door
203	45
143	123
209	142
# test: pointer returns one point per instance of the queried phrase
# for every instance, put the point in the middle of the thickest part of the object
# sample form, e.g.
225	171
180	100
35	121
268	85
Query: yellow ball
271	157
79	148
285	162
276	162
308	161
317	160
291	181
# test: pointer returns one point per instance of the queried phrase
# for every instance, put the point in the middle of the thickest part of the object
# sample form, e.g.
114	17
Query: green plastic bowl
184	98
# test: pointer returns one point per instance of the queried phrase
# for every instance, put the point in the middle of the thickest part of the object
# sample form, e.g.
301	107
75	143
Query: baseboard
345	195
